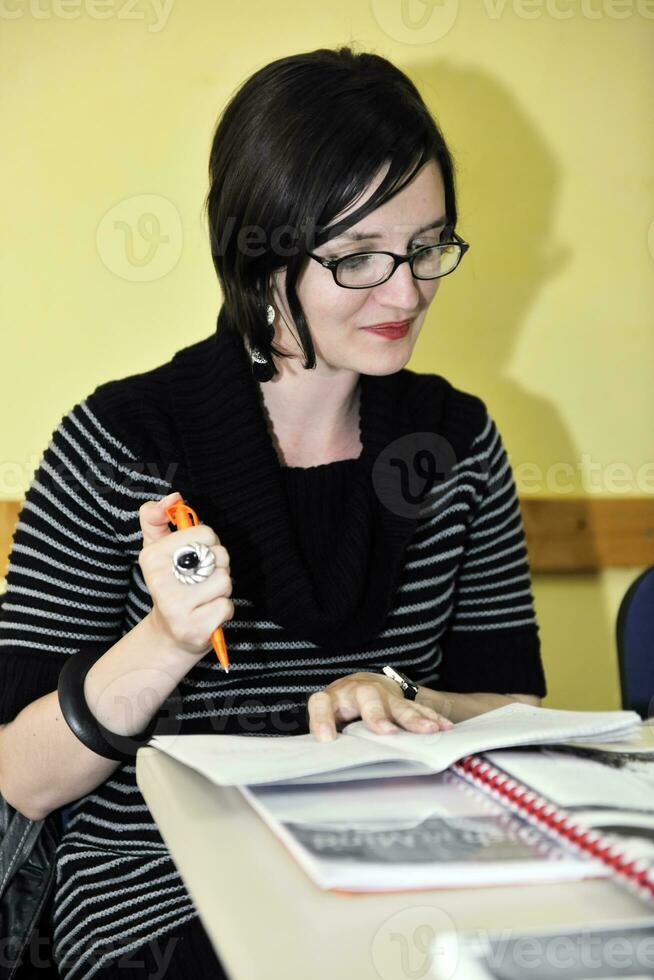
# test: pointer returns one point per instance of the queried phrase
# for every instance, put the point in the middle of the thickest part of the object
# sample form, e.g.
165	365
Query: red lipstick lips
392	331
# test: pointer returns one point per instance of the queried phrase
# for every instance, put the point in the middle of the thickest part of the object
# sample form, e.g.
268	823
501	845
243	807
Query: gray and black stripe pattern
462	612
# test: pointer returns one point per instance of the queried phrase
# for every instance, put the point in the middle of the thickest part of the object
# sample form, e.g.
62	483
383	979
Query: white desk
266	919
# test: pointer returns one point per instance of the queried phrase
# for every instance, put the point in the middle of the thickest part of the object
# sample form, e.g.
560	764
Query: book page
230	760
513	724
638	742
251	760
570	781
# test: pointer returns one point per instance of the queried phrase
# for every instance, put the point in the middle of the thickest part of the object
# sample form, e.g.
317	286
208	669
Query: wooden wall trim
586	534
8	516
579	534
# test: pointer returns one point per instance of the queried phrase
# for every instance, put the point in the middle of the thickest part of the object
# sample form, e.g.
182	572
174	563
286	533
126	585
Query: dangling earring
262	368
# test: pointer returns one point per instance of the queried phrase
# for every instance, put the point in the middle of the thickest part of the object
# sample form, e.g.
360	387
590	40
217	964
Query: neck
312	413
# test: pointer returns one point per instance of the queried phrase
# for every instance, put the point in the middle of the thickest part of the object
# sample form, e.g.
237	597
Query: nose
400	291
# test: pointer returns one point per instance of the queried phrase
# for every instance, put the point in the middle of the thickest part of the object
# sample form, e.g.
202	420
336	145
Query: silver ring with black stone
193	563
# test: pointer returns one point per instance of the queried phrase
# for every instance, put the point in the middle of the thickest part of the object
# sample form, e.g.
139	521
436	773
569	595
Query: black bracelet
83	723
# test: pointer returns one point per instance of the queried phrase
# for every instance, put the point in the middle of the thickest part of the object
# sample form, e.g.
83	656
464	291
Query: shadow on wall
508	183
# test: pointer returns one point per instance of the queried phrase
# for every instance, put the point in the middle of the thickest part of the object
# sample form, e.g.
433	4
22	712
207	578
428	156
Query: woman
357	515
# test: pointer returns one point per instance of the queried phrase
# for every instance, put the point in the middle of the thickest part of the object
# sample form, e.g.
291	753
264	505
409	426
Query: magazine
411	832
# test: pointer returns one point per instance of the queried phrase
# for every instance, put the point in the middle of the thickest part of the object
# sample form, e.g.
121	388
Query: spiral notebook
406	833
609	811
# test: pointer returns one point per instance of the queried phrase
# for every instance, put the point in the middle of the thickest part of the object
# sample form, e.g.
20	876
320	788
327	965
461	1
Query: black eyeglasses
360	270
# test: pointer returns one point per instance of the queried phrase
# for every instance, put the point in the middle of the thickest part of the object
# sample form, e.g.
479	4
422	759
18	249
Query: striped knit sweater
327	579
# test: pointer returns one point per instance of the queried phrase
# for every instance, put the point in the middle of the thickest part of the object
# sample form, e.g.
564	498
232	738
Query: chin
388	363
391	357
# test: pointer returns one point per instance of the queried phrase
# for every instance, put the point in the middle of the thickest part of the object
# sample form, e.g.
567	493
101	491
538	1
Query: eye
357	261
435	237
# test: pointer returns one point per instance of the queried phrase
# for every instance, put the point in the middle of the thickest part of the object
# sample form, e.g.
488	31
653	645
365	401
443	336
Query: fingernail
325	733
428	723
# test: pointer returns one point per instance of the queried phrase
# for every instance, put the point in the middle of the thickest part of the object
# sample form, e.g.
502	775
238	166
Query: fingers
372	705
153	519
186	612
155	528
188	536
386	713
346	706
189	613
164	586
155	524
382	713
360	700
417	717
321	716
157	557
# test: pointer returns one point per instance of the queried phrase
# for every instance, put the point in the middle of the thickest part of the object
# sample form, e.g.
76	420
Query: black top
330	575
318	498
303	542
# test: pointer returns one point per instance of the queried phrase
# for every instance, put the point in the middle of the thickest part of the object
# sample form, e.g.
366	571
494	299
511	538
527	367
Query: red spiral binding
557	821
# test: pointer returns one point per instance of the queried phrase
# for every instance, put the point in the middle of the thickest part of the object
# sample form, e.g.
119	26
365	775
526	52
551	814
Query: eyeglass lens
370	268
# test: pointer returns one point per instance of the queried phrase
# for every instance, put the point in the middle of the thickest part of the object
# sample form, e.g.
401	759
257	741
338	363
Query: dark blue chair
635	639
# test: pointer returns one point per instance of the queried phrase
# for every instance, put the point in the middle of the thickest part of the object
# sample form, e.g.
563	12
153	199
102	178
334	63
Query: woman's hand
377	700
185	614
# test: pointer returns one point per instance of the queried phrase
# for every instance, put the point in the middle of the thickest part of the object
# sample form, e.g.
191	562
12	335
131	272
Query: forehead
419	205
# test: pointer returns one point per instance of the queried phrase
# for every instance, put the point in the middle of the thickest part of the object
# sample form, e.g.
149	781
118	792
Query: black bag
27	878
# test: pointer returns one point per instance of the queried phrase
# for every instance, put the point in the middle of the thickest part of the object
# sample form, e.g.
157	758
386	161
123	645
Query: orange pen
181	515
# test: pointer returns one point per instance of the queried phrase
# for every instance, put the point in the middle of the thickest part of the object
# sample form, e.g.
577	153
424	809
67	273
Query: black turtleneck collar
235	484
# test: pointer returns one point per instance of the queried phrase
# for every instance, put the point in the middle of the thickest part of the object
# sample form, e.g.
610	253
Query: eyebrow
364	236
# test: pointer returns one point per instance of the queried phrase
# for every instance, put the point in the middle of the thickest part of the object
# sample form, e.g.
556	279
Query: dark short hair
295	146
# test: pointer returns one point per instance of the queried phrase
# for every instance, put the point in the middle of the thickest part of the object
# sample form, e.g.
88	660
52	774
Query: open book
370	812
359	753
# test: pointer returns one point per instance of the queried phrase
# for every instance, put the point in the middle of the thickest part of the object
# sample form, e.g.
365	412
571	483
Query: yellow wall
108	111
